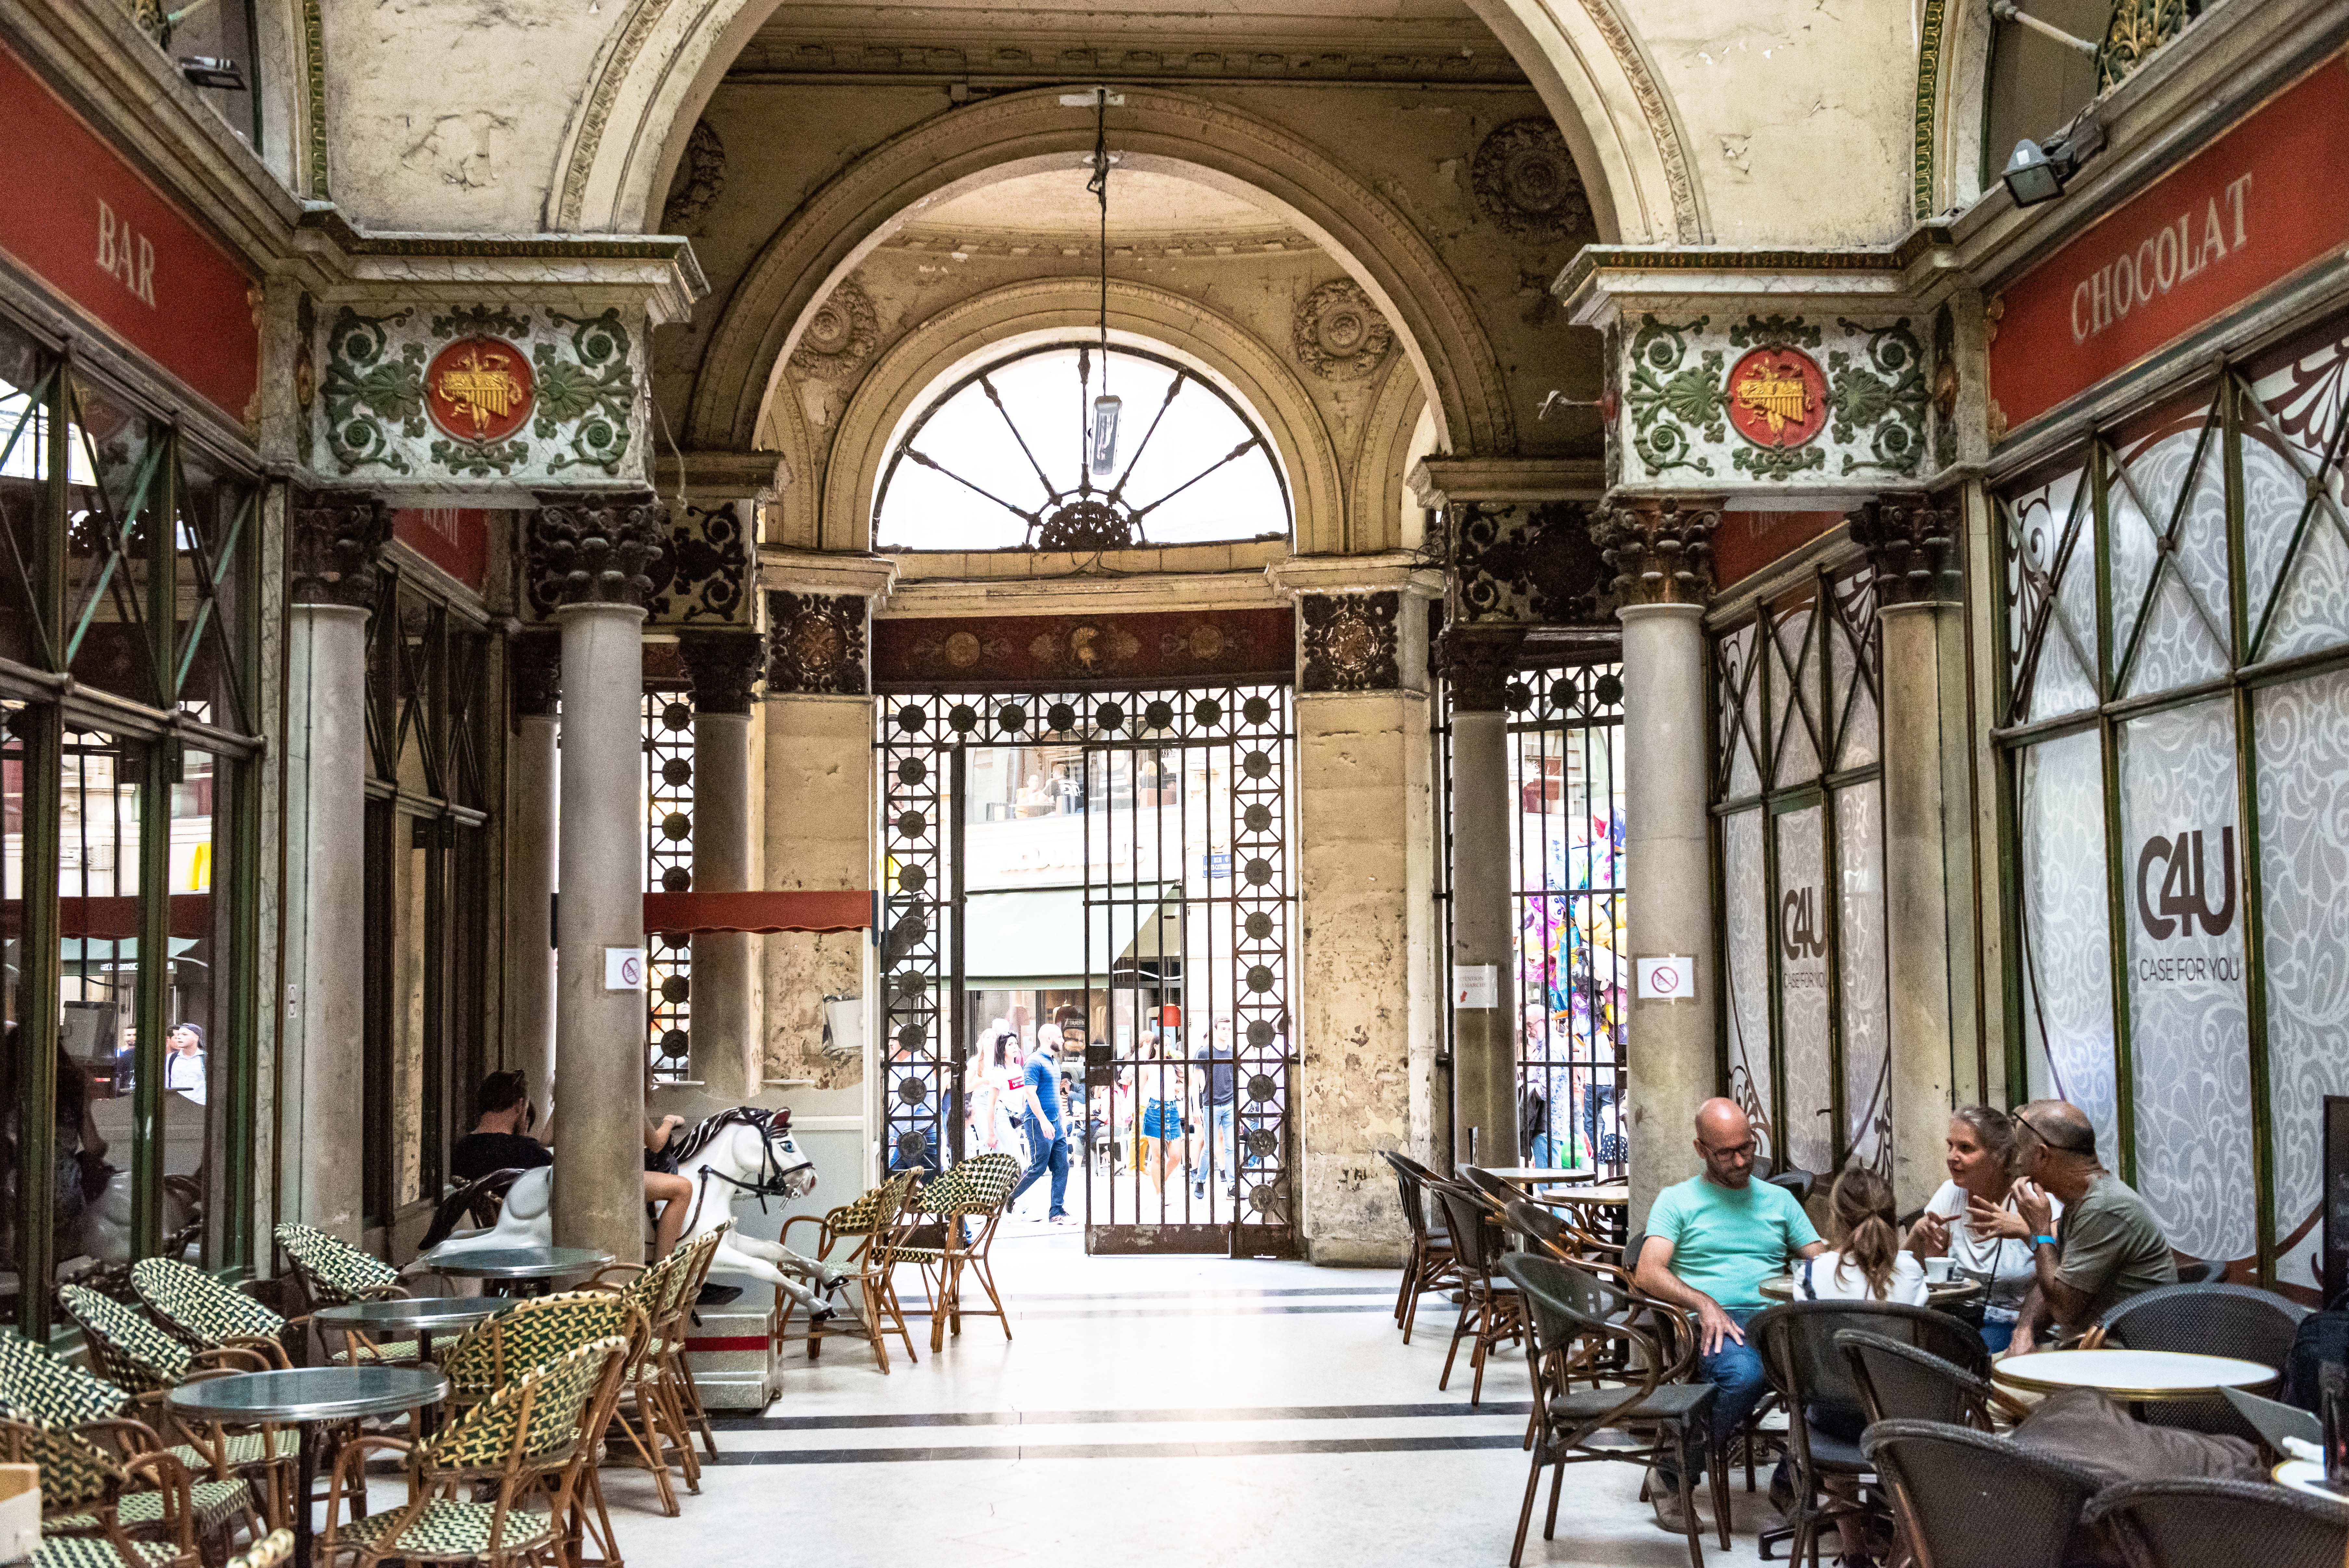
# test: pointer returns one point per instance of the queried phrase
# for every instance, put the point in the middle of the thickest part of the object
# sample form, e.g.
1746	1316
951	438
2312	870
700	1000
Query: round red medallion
1778	397
479	389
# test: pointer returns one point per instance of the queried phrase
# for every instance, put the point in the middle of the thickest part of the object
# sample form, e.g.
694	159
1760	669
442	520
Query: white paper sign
1476	985
624	968
1671	978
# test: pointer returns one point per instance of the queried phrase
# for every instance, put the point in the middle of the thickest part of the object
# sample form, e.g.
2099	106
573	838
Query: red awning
115	919
678	914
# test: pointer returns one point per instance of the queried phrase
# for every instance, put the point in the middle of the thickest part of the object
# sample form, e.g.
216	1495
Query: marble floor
1152	1411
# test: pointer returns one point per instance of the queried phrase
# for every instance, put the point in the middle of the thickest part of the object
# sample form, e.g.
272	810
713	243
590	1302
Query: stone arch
911	368
1375	487
1021	132
1952	100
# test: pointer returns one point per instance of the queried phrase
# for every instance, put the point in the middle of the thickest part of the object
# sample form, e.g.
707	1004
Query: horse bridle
770	1183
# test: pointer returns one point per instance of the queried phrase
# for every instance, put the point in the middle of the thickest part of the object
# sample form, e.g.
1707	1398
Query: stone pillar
725	668
1912	543
1367	994
535	659
1662	551
1477	658
588	554
331	548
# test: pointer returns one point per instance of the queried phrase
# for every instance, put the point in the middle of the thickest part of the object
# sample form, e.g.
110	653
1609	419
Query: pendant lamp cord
1099	186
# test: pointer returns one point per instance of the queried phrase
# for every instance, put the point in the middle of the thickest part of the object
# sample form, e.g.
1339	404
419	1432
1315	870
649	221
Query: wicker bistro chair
975	1193
206	1315
2204	1522
1490	1311
869	1225
1900	1382
1571	1316
86	1487
332	1271
270	1551
1972	1500
647	1408
142	1360
1433	1264
526	1445
676	1366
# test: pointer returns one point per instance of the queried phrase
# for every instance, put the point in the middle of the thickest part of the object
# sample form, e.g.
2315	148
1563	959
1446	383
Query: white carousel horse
750	1153
526	1219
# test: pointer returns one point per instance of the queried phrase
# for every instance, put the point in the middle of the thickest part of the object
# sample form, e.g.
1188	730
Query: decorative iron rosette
1338	334
815	643
1526	182
841	334
1350	641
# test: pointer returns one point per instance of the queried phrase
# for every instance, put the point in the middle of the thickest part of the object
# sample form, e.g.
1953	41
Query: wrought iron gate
1180	1118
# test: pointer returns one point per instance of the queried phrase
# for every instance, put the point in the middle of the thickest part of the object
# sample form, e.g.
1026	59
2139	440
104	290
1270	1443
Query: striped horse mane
684	1145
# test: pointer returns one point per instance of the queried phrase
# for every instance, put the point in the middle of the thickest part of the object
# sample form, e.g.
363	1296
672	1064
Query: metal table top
2134	1375
311	1393
520	1262
1937	1292
409	1315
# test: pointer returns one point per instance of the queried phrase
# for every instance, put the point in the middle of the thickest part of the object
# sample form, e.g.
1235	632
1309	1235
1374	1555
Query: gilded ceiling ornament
841	334
704	177
1526	182
1338	334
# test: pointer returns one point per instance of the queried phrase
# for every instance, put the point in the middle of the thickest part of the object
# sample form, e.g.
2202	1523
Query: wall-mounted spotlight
2031	176
206	71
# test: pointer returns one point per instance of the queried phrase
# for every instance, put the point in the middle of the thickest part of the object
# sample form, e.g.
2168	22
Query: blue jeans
1215	1149
1735	1372
1051	1150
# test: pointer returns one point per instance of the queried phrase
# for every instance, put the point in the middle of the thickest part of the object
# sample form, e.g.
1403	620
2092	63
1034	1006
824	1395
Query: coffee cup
1938	1271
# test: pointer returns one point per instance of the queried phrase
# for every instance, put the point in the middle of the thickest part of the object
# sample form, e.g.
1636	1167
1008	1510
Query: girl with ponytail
1864	1262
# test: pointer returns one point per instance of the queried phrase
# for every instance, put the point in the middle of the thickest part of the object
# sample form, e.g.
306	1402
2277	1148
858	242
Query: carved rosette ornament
1912	544
816	643
1350	641
1661	549
590	548
1476	661
332	541
1338	334
840	335
535	667
724	667
1526	183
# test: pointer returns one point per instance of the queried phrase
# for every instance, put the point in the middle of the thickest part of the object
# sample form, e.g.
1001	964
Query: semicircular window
1054	448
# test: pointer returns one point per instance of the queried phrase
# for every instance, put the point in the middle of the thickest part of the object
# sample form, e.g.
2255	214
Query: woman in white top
1980	1145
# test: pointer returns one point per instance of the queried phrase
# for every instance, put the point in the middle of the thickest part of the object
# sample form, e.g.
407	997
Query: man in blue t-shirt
1048	1132
1711	1242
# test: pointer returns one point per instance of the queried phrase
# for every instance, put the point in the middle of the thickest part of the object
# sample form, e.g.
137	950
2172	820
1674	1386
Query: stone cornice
1206	244
714	478
1605	283
1438	482
1086	595
656	272
828	572
1395	571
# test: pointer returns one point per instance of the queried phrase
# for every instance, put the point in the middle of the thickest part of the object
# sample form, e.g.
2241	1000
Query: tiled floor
1174	1411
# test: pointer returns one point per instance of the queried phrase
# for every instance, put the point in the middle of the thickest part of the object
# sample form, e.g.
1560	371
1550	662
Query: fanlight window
1028	452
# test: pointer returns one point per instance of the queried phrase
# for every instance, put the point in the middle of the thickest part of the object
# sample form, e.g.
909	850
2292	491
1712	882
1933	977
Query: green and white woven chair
83	1499
136	1356
492	1354
207	1314
526	1444
869	1224
270	1551
976	1192
333	1273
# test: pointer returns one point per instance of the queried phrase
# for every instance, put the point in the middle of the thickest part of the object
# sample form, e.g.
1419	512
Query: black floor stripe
1236	1310
1387	1291
1431	1444
1114	1417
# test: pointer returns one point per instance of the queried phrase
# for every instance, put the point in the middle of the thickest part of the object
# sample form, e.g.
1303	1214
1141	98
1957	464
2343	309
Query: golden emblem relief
479	389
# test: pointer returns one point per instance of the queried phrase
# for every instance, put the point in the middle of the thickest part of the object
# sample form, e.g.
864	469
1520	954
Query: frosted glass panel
1866	1058
1803	959
1747	916
2189	1032
2052	585
2067	989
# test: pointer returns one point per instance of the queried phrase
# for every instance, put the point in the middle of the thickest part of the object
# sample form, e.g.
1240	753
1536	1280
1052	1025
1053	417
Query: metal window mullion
40	958
2007	772
2100	459
153	996
1774	968
1831	887
433	1069
958	1002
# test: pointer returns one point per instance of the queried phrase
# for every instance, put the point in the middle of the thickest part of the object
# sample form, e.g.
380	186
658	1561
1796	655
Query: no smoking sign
1668	979
624	968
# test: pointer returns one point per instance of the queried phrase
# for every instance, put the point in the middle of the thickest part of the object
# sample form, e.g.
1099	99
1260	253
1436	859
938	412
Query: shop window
2173	752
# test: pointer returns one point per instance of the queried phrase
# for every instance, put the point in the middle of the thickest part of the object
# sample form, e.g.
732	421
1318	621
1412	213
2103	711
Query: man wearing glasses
2108	1247
1711	1242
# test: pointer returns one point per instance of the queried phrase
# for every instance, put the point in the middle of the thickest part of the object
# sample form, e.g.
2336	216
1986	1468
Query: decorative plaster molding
1440	482
1913	547
715	478
591	549
1532	562
1205	244
705	177
1475	663
779	53
534	668
1686	220
828	572
1338	334
702	575
1526	183
840	334
611	73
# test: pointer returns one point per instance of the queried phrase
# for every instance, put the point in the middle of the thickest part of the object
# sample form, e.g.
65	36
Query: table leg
305	1483
428	1417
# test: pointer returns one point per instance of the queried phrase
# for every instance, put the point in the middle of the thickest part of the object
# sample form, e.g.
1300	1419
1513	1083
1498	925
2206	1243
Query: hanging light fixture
1103	443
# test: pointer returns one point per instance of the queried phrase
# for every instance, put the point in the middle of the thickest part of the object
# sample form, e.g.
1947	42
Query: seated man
2108	1246
1711	1242
501	1139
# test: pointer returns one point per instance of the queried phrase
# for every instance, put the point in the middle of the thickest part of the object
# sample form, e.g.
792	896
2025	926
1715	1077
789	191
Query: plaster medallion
962	650
1526	182
840	333
1777	398
1338	334
1207	641
479	389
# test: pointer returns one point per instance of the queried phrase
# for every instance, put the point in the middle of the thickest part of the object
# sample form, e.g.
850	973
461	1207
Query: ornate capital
1912	544
1350	642
815	643
1475	661
1661	548
332	541
724	667
535	660
589	548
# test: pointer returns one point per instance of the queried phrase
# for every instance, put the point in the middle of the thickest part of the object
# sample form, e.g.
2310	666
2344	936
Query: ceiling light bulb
1104	443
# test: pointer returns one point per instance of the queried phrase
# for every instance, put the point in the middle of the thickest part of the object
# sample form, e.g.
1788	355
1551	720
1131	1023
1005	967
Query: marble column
725	668
332	543
590	552
535	659
1367	996
1477	658
1662	550
1912	543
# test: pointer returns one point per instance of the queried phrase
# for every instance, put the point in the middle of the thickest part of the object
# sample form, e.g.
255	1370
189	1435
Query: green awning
1026	940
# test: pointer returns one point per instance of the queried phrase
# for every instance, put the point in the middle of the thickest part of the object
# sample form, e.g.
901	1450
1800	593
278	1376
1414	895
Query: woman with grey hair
1978	1151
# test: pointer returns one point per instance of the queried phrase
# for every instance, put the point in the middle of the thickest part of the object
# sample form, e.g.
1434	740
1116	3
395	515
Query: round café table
417	1317
2308	1476
2138	1376
1946	1294
309	1397
520	1266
